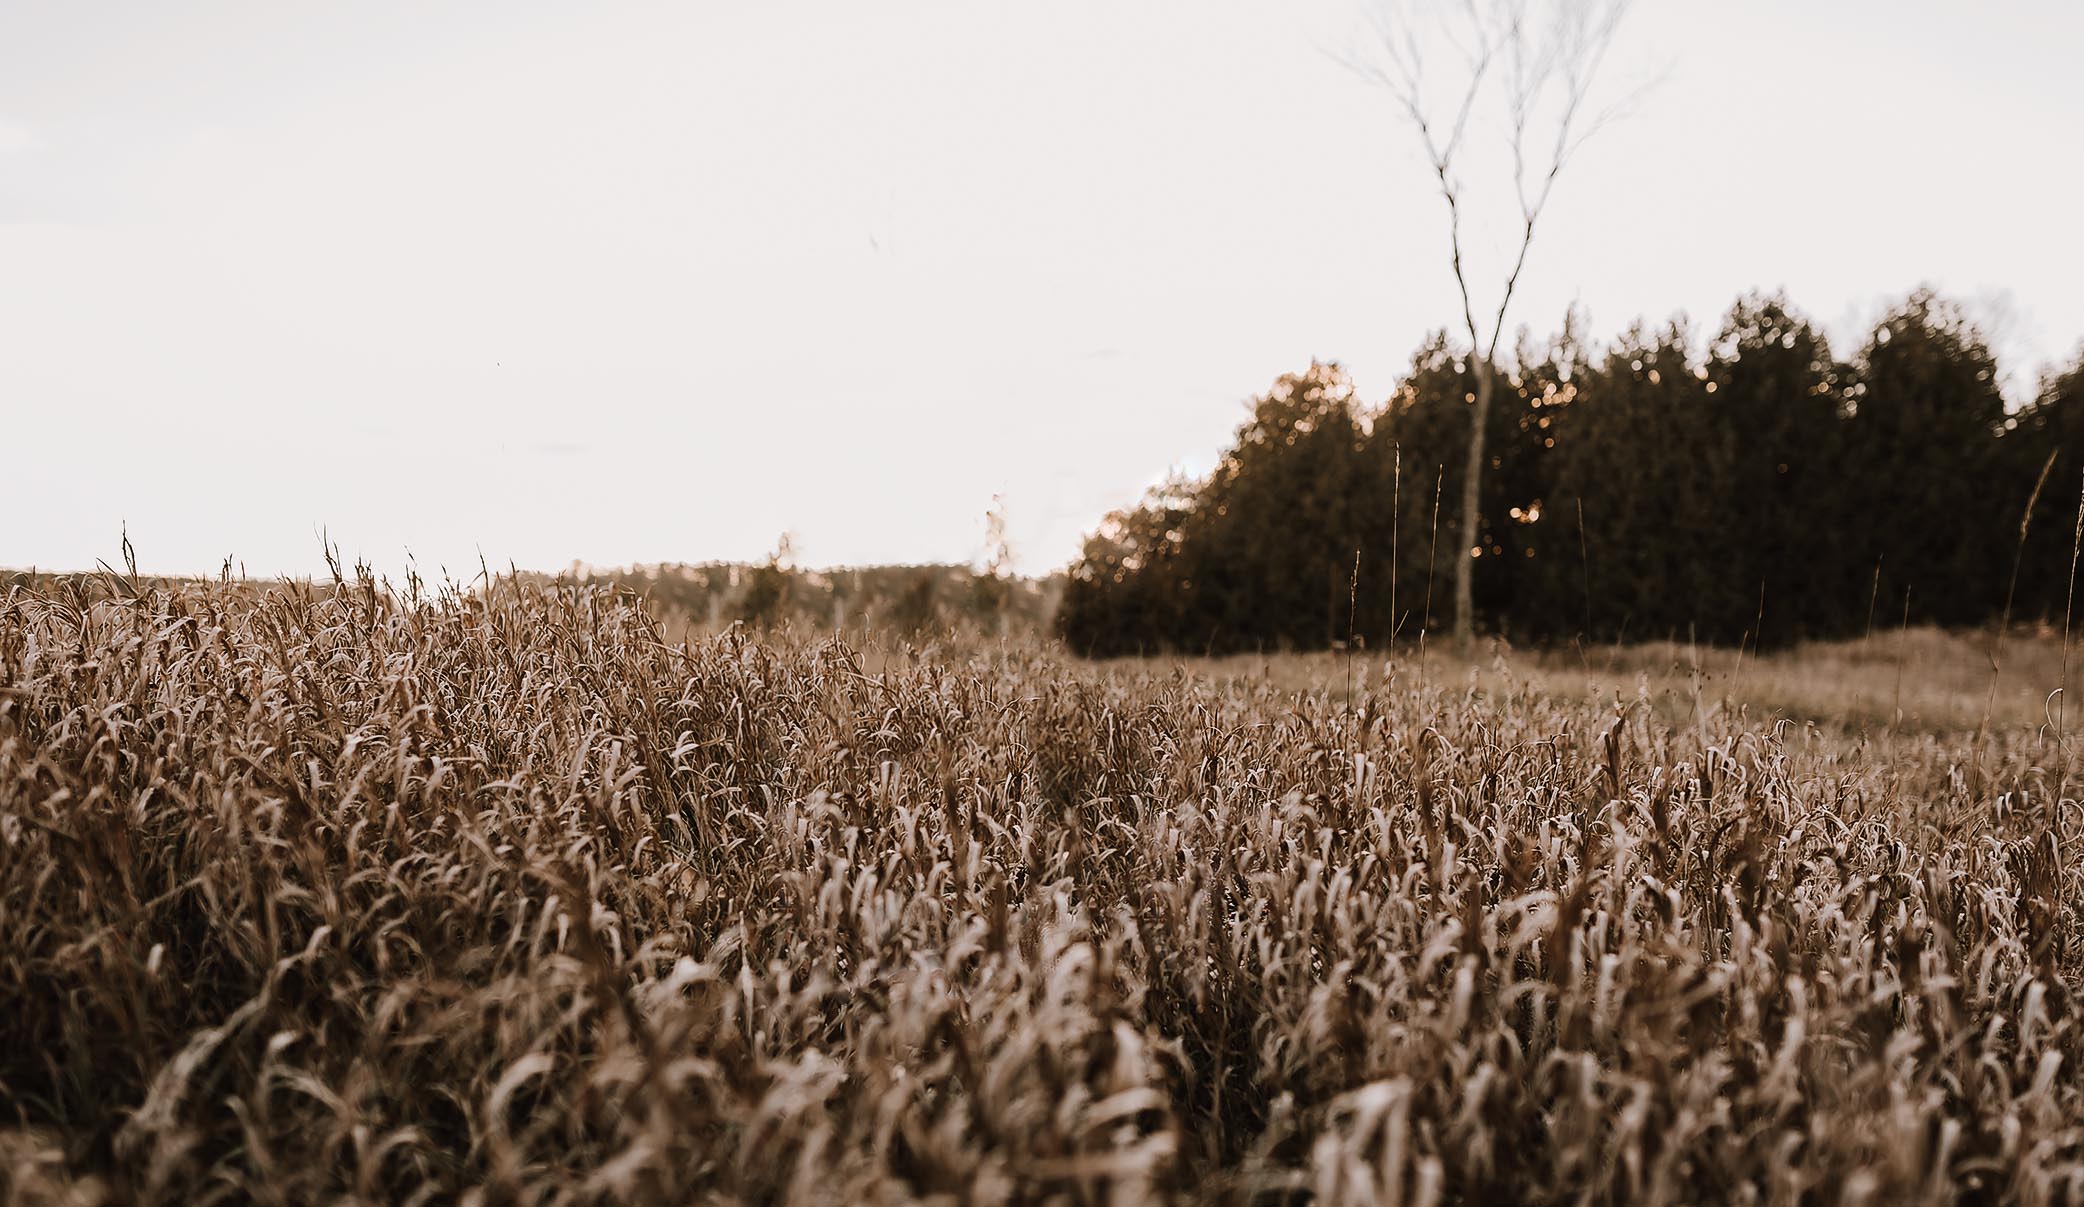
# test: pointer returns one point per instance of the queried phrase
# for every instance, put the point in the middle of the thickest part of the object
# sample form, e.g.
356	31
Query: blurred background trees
1742	487
1742	484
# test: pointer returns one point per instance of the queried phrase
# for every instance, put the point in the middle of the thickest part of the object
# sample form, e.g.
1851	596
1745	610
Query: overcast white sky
627	283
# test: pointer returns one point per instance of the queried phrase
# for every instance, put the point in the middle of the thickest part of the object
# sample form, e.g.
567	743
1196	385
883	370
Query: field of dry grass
321	896
1908	684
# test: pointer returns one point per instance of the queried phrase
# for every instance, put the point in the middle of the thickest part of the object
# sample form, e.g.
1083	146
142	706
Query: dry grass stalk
329	895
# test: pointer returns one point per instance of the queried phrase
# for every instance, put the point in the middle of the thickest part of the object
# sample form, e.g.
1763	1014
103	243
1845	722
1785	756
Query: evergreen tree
1123	595
1779	397
1272	539
1926	498
2052	427
1643	492
1642	467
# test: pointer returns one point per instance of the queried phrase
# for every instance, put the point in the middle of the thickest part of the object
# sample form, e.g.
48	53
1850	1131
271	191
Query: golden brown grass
1918	682
322	896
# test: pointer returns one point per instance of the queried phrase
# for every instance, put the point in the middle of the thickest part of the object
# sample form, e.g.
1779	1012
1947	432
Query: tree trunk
1472	523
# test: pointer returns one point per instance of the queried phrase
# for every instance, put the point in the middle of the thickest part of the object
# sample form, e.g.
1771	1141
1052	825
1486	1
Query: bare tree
1533	65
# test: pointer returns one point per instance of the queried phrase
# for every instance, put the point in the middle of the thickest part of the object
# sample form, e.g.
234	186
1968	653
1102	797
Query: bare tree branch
1547	74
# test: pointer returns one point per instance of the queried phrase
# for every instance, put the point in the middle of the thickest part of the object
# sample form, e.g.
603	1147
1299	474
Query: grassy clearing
1913	683
322	896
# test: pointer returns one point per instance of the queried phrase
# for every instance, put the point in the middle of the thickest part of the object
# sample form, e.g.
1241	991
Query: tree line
860	601
1750	488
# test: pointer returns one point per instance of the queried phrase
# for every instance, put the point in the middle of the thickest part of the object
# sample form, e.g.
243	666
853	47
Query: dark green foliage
1280	505
1639	480
1260	554
1124	594
1780	393
1932	504
1758	492
2051	428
